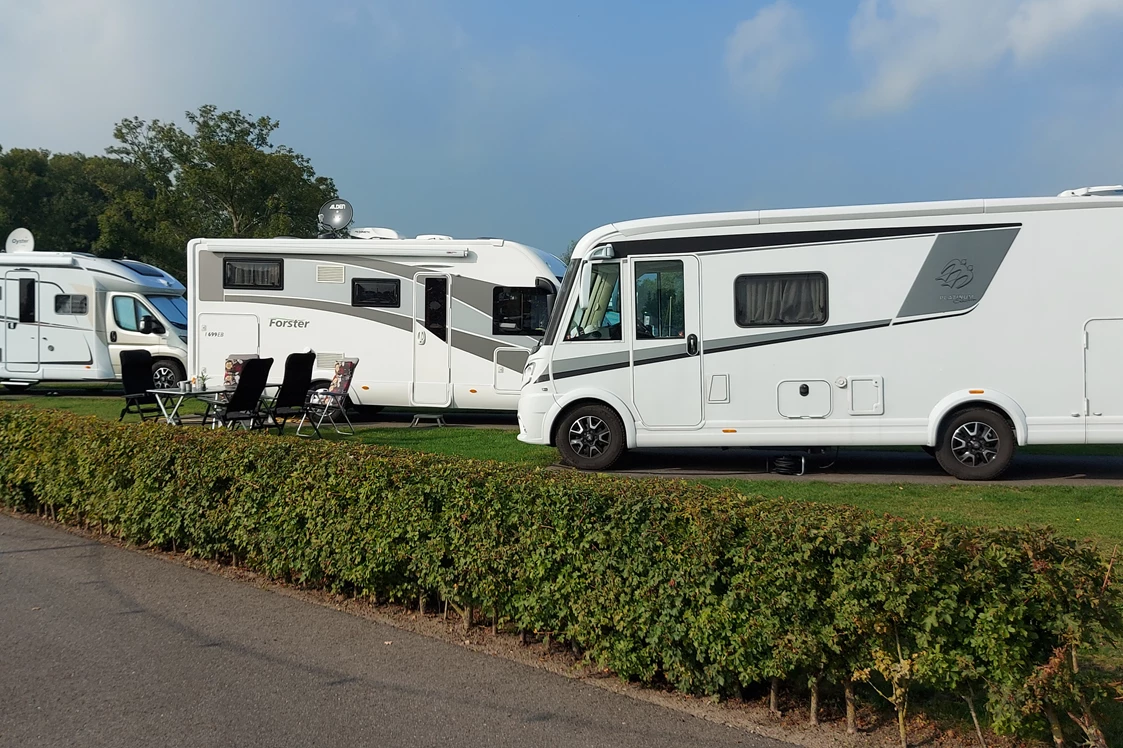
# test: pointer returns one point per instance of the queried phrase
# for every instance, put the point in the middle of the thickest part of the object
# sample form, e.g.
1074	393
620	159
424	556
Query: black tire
167	373
591	437
977	444
324	384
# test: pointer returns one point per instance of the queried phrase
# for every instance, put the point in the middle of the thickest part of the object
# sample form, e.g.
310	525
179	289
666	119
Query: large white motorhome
968	328
435	322
67	317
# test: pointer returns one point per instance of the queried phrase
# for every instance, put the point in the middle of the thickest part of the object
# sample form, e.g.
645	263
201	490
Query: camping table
173	398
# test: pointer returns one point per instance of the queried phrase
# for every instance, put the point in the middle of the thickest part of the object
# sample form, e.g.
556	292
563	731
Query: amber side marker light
472	391
729	431
365	387
975	392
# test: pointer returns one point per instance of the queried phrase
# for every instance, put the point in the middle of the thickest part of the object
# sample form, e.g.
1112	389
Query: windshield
560	303
174	309
601	319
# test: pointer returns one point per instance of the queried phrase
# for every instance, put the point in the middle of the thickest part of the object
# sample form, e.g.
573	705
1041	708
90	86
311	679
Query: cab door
123	314
667	343
21	321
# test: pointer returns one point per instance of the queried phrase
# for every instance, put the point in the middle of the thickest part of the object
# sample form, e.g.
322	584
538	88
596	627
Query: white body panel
56	309
314	305
928	307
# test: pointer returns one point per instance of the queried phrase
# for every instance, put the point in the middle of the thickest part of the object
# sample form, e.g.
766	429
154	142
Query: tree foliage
162	185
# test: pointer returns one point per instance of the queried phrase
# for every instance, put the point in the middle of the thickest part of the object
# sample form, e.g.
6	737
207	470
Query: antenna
335	216
20	240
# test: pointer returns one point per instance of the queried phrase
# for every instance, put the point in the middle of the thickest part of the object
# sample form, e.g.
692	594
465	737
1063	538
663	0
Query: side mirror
149	326
586	289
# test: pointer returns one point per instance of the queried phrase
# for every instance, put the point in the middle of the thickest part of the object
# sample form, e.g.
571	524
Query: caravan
67	316
968	328
435	322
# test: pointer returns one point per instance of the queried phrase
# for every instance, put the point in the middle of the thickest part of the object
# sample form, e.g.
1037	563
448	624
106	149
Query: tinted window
71	304
436	307
660	308
266	274
519	311
127	312
26	299
780	299
384	292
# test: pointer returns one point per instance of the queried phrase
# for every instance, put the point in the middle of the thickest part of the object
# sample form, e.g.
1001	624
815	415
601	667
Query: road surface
101	646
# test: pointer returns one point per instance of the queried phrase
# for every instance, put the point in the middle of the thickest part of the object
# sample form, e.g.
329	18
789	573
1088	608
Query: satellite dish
336	214
20	240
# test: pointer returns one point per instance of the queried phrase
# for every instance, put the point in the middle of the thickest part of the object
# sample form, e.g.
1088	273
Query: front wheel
591	437
166	374
977	444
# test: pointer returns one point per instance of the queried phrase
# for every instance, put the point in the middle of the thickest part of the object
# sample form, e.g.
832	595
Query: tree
224	179
51	194
569	251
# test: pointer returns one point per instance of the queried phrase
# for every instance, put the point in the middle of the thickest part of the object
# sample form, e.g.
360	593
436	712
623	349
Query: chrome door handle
421	337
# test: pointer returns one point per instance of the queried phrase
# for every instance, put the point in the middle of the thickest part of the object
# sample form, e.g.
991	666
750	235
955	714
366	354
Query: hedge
707	590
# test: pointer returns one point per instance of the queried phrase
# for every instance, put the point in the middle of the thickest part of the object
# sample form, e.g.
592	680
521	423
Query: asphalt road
101	646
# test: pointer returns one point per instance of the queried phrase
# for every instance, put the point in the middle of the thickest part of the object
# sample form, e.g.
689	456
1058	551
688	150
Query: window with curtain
780	299
265	274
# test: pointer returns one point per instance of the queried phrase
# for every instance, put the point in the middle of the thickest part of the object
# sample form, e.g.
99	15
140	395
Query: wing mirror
149	326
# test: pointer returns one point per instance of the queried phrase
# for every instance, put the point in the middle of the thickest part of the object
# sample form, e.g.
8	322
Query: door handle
421	337
692	345
112	337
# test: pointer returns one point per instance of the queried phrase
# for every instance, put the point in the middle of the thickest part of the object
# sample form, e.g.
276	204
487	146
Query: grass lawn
1094	512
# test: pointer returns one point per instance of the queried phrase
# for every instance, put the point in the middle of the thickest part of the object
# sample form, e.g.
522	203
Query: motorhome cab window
127	312
781	299
519	311
601	320
660	309
263	274
384	292
71	304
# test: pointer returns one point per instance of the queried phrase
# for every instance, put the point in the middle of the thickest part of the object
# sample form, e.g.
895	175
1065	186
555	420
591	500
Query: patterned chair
325	405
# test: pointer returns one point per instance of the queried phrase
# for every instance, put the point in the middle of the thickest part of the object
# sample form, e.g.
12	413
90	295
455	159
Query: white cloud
765	48
911	44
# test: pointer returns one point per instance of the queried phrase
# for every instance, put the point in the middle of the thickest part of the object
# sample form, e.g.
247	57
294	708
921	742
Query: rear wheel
977	444
166	374
591	437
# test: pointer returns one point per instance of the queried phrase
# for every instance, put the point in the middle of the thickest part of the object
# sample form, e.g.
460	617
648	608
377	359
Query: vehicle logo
957	274
297	323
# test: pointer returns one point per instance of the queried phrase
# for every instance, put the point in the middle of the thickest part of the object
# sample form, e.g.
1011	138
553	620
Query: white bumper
533	408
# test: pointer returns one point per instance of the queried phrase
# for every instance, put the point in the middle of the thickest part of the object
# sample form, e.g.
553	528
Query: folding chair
292	398
136	376
326	404
243	405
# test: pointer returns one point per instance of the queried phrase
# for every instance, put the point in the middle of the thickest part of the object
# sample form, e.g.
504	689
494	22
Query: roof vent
330	274
373	232
434	237
1110	191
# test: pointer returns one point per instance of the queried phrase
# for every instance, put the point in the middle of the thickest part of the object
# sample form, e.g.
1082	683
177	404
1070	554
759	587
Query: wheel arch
577	398
979	398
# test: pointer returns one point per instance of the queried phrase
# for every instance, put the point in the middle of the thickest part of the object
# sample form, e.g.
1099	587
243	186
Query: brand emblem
956	274
297	323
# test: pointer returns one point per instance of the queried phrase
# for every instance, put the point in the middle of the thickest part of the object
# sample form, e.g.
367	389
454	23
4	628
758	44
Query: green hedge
707	590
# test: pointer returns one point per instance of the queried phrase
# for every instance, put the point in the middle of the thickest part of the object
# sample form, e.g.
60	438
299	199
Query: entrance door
432	362
667	347
1103	375
21	322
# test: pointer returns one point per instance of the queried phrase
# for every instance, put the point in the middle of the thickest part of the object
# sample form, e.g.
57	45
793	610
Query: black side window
71	304
780	299
262	274
519	311
26	299
382	292
436	307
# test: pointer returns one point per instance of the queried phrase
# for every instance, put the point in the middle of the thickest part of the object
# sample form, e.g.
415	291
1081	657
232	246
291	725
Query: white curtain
781	300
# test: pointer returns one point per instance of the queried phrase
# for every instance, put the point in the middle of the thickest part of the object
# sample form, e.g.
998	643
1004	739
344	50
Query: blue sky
541	121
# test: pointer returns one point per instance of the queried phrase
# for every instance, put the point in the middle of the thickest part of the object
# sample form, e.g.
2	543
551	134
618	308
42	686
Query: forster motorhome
67	316
968	328
435	322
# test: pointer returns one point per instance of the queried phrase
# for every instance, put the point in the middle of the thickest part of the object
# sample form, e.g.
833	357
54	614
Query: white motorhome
435	322
968	328
67	317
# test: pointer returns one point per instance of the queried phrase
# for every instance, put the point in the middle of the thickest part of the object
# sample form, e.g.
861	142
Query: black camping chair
292	398
136	376
242	407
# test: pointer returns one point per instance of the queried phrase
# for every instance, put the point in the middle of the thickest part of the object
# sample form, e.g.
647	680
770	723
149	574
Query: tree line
160	185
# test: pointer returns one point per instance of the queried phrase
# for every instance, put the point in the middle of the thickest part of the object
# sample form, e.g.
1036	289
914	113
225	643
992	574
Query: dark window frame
436	289
70	297
495	317
806	274
226	284
397	293
28	304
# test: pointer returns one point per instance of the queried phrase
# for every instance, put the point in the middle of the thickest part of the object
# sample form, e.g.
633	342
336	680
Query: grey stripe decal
399	321
957	272
770	338
597	361
665	353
